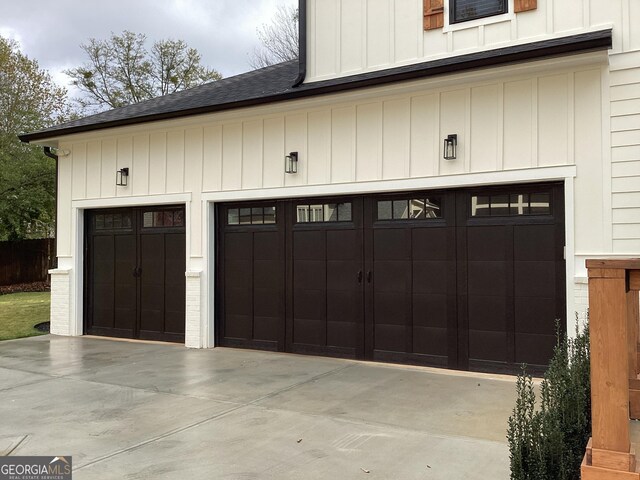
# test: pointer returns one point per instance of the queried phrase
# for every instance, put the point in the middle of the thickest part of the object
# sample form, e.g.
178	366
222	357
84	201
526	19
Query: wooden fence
26	261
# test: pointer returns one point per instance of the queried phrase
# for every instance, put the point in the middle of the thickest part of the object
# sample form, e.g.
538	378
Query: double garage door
134	273
468	279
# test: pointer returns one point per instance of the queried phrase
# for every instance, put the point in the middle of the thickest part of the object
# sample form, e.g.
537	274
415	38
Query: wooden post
613	325
633	317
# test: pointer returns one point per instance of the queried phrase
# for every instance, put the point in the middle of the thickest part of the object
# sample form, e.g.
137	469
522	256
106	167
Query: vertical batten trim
241	152
626	27
392	32
500	136
184	160
166	161
586	13
100	161
571	120
514	21
305	156
364	50
607	201
86	162
338	38
409	167
380	160
354	141
262	150
569	225
420	27
222	157
535	128
437	126
481	36
382	130
467	134
550	25
202	167
148	172
329	156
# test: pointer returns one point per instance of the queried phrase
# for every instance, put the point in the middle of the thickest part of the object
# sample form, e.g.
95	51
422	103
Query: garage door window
323	212
112	221
513	204
410	209
163	218
252	216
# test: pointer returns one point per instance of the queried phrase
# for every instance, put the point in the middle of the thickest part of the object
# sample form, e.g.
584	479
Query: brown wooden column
613	326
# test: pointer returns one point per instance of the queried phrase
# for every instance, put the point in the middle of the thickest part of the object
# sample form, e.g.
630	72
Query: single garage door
134	273
469	279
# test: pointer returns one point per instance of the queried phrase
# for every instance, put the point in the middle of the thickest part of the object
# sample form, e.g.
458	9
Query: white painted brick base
581	303
193	327
60	302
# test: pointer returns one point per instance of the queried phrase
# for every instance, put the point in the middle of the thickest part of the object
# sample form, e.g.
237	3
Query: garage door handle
359	276
137	272
369	276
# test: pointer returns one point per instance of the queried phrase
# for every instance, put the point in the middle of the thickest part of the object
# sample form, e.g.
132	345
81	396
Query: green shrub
548	443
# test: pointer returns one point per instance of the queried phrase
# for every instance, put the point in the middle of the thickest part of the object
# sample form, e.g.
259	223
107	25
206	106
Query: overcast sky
223	31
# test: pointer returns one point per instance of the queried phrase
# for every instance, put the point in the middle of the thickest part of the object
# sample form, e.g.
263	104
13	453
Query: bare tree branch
279	39
121	71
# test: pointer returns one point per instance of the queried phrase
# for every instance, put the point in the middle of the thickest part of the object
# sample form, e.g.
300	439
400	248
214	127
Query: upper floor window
464	10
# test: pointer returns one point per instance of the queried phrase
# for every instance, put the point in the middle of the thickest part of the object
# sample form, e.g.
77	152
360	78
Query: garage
135	273
466	279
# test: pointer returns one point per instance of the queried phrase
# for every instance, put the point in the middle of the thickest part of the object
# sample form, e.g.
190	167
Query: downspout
50	154
302	42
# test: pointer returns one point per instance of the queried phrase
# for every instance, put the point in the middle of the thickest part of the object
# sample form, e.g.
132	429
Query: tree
29	101
121	70
279	38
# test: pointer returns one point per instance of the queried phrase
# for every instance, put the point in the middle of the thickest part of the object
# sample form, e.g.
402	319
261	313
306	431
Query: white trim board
132	201
528	175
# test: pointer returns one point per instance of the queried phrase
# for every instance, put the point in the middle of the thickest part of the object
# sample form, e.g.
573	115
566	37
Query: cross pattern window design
409	209
465	10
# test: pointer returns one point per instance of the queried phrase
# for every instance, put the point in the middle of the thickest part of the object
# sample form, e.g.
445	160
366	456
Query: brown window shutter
525	5
434	14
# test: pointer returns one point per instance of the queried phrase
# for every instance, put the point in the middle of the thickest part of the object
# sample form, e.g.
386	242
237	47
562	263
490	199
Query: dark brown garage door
134	273
465	279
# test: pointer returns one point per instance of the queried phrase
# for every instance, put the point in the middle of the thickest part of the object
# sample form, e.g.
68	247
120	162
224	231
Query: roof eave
580	43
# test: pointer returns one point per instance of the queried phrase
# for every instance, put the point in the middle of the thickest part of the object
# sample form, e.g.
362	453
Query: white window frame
452	27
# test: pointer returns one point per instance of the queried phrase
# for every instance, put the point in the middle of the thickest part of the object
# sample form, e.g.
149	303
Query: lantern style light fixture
122	177
450	147
291	163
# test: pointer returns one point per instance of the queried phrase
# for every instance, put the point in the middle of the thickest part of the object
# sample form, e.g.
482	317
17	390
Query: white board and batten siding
506	123
346	37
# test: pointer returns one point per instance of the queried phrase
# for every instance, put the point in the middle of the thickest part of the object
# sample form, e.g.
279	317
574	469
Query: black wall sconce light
450	147
122	177
291	163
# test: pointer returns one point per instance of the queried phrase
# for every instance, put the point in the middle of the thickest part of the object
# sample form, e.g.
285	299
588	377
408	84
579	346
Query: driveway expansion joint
210	419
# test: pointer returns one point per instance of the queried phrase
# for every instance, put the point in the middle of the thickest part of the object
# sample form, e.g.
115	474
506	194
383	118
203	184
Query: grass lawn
19	312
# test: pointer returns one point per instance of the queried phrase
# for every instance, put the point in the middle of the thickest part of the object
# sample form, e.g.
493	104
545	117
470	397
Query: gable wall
345	37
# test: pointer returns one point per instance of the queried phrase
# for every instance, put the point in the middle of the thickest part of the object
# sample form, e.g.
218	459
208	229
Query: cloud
223	31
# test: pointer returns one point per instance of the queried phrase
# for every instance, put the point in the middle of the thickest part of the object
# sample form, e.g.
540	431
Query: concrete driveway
149	411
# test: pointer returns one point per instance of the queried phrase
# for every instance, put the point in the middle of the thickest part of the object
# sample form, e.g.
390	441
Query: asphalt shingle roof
275	83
